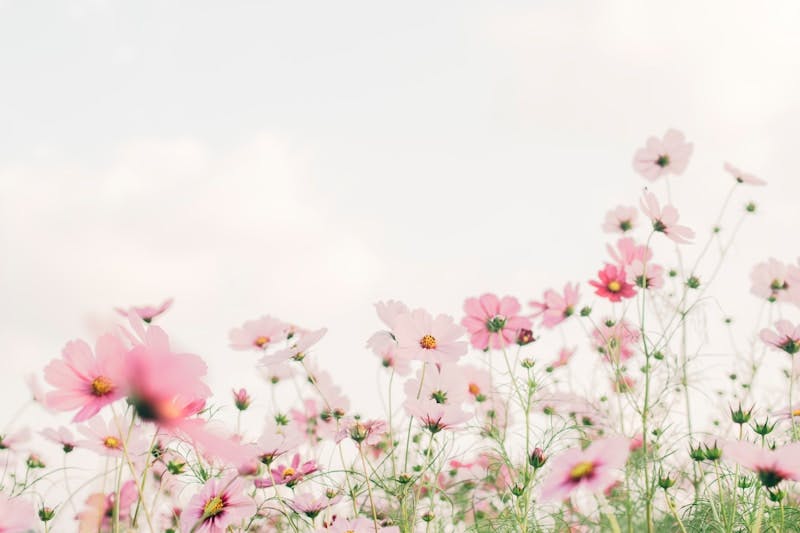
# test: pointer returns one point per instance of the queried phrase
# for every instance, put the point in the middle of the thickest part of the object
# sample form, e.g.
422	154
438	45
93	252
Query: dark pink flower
613	284
661	157
288	475
493	322
594	469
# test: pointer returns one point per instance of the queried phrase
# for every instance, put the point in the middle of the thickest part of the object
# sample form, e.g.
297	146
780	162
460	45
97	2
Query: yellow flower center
289	472
796	412
101	386
581	470
474	389
428	342
261	341
213	507
614	286
111	442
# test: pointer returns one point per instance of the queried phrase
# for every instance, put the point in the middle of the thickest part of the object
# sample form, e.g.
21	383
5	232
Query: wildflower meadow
588	406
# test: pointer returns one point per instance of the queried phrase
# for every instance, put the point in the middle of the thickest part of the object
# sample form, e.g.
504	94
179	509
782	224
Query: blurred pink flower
615	340
627	251
17	515
564	356
774	280
259	334
298	350
556	308
493	322
288	475
646	276
219	504
786	337
370	432
61	436
310	505
661	157
12	441
356	525
423	338
146	312
621	219
613	284
665	220
743	177
105	438
86	382
446	384
99	508
772	466
477	382
436	416
594	469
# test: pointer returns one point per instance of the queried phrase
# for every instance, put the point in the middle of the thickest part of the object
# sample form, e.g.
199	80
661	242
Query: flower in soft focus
623	384
564	355
772	466
288	475
627	251
370	432
620	219
661	157
594	469
241	399
424	338
97	514
665	220
274	374
613	284
436	416
443	385
615	340
477	381
297	351
493	322
356	525
259	334
743	177
334	398
61	436
11	441
86	382
310	505
774	280
646	275
786	337
220	504
554	307
105	438
146	312
275	441
17	515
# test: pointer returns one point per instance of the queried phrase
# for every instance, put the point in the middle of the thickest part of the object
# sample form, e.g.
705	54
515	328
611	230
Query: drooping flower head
772	466
259	334
219	504
85	381
665	220
594	469
661	157
424	338
613	284
556	307
146	312
493	322
621	219
743	177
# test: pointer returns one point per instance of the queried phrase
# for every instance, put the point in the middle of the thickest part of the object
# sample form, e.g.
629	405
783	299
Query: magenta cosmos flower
289	475
613	284
665	220
786	337
772	466
17	515
259	334
219	504
493	322
594	469
743	177
424	338
556	307
146	312
86	382
661	157
621	219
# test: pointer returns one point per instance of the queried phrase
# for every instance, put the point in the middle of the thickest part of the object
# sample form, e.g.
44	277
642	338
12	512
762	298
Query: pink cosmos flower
436	417
773	280
220	504
289	475
61	436
276	373
613	284
443	385
786	338
627	251
594	469
12	441
86	382
105	438
388	355
772	466
388	312
423	338
275	441
564	356
356	525
146	312
99	508
493	322
477	382
241	399
555	308
743	177
620	219
646	276
17	515
616	340
310	505
665	220
298	350
370	432
661	157
332	395
259	334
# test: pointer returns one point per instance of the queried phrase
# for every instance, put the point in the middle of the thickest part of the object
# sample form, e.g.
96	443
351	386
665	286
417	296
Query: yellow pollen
796	412
289	472
213	507
581	470
614	286
428	342
474	389
111	442
261	341
101	386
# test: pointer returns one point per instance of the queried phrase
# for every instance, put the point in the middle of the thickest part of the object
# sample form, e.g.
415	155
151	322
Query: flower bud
241	399
537	458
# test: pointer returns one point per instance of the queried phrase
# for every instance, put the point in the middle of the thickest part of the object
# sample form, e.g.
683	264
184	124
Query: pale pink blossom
616	340
556	307
627	251
477	382
424	338
17	515
774	280
309	504
105	438
665	220
620	219
276	373
593	470
297	351
388	312
434	416
743	177
564	356
288	475
61	436
443	385
356	525
493	322
220	504
786	337
96	516
772	466
370	432
646	275
259	334
146	312
13	441
661	157
275	441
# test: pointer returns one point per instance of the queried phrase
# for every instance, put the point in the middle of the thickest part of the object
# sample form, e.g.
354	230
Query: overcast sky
308	159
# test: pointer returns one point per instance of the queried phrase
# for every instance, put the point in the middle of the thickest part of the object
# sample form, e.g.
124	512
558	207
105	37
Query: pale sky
308	159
